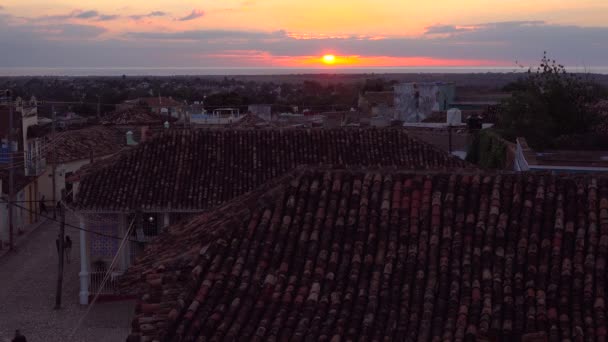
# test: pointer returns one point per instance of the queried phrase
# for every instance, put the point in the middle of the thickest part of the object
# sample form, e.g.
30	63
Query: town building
19	155
68	151
185	172
219	116
264	111
377	104
558	161
415	101
164	106
140	121
25	208
386	255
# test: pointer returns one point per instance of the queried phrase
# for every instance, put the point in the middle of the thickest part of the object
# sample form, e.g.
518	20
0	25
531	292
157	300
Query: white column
165	220
84	265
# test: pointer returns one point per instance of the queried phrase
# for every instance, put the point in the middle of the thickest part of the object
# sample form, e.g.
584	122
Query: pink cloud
195	14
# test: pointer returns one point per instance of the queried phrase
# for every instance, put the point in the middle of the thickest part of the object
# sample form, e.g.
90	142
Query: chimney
144	133
454	117
130	140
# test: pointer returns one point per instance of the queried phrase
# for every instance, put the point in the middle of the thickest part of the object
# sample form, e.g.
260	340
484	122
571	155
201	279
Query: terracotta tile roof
133	116
95	141
375	98
159	102
601	108
197	169
90	168
385	255
250	120
440	137
20	181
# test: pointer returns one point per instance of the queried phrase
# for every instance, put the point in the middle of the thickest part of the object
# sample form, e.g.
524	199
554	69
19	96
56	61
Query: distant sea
213	71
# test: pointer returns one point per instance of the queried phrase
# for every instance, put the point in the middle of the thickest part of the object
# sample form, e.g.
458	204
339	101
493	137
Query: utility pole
11	172
98	107
450	138
53	166
61	257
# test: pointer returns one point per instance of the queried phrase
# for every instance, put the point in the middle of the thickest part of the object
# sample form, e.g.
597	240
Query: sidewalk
22	236
28	279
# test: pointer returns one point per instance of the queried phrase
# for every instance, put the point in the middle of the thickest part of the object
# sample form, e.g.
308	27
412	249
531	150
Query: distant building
219	116
165	106
558	161
377	104
264	111
24	212
415	101
187	171
22	152
70	151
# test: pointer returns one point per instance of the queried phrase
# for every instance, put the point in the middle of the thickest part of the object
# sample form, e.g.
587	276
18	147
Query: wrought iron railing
109	288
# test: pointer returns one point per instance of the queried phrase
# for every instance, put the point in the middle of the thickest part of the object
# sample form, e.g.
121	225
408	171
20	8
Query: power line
103	282
71	226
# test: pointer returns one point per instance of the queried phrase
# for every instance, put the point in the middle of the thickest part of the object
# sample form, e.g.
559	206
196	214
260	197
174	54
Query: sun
329	59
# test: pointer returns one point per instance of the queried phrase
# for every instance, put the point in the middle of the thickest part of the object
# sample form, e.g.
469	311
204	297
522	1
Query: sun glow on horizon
329	59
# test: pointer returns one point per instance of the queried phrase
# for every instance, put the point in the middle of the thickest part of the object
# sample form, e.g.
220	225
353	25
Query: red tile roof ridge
84	143
348	253
190	170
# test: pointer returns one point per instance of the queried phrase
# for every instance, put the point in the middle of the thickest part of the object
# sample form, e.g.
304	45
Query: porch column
165	220
84	265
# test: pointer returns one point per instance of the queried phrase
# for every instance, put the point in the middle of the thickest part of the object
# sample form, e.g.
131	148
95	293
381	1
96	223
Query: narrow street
28	280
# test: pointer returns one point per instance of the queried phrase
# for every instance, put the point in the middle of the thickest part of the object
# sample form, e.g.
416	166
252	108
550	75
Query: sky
288	33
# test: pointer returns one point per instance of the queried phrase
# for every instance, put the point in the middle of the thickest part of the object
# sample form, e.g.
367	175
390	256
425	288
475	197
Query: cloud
504	42
443	29
149	15
70	30
79	14
195	14
87	14
1	7
453	29
50	44
209	35
107	17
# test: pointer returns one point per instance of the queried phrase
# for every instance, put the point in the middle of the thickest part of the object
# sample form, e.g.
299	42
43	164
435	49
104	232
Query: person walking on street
43	206
57	243
67	245
19	337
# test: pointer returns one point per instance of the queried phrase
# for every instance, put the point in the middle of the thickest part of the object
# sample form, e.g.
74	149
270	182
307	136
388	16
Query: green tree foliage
548	103
488	150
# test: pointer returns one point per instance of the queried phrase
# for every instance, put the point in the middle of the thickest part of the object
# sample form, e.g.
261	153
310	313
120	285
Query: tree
548	103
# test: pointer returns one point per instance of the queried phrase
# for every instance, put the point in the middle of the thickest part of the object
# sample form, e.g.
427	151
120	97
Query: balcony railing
109	288
36	167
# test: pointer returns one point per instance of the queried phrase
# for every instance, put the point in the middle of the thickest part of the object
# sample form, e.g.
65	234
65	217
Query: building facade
415	101
185	172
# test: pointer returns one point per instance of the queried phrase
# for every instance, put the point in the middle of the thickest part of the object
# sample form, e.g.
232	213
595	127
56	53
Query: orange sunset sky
284	33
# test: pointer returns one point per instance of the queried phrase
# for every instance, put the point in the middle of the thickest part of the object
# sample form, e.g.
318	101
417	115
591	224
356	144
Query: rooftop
563	158
572	158
134	116
380	97
384	255
250	120
95	141
20	181
191	170
156	101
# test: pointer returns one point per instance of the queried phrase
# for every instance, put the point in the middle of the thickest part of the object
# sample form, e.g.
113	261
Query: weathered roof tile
435	263
199	169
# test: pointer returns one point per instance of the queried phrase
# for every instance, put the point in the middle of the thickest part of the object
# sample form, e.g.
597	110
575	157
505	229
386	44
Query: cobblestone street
27	295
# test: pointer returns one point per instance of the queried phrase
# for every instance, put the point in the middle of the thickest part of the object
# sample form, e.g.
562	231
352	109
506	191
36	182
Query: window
151	224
